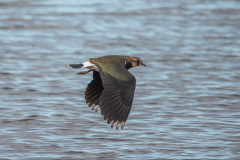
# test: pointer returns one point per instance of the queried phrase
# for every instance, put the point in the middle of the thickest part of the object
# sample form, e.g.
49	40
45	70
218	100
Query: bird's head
136	61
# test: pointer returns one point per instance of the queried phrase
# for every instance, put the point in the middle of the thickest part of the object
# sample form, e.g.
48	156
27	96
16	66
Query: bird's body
112	88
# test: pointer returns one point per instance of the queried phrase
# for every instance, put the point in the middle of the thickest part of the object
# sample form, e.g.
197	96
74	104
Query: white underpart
90	66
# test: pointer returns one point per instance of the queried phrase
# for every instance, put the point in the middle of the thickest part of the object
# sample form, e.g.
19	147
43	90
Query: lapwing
112	88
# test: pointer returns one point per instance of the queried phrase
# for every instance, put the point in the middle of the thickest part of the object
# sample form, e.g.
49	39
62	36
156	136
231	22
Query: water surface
187	100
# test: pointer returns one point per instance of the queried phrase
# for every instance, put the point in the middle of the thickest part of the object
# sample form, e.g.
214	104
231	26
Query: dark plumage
112	88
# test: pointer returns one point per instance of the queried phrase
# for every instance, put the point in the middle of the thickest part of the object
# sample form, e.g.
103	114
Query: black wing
117	97
94	91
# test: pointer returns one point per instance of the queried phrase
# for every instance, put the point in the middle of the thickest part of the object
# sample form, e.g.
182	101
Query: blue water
187	101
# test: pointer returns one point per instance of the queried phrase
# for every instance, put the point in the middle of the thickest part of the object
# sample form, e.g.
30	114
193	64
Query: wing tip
118	124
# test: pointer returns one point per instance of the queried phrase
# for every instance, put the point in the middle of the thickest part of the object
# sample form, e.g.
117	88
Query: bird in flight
112	88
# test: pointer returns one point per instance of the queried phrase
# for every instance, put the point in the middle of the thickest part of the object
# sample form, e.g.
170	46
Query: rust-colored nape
134	63
131	58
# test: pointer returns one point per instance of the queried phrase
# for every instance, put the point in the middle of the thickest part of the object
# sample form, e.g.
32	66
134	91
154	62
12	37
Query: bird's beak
144	64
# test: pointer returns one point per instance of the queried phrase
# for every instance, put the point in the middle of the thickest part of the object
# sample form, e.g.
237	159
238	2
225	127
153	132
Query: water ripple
186	102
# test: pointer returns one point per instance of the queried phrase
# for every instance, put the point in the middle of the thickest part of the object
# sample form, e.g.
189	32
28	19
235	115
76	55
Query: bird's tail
75	66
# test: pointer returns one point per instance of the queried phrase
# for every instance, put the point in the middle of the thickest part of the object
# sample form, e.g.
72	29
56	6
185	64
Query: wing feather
111	93
117	96
94	90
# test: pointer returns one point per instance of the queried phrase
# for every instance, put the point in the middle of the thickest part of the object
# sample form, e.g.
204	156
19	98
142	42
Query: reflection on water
186	102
